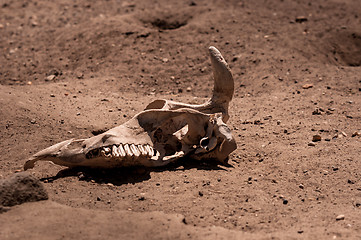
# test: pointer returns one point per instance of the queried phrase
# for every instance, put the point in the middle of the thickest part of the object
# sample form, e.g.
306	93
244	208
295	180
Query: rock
316	112
316	138
20	188
189	89
344	134
50	77
340	217
301	19
4	209
312	144
307	86
356	134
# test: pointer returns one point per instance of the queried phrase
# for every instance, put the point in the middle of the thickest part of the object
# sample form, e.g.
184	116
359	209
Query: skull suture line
164	132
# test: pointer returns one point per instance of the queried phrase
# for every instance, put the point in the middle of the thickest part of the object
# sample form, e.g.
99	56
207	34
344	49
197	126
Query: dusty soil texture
70	68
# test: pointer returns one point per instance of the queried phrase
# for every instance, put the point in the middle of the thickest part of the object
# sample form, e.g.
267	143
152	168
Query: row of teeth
129	150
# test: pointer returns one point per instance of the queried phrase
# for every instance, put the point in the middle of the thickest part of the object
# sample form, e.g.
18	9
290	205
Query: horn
222	91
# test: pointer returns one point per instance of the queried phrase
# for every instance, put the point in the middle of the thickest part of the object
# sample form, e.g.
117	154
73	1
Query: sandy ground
69	68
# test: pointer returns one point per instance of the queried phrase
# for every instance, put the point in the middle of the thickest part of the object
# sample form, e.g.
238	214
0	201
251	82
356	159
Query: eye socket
204	142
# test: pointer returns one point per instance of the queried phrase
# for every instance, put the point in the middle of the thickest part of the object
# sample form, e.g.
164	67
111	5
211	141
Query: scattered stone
52	95
99	199
20	188
344	134
278	122
4	209
50	78
300	231
301	19
189	89
33	121
301	186
165	60
356	134
327	139
200	194
307	86
316	138
312	144
349	181
142	198
285	201
317	111
80	75
340	217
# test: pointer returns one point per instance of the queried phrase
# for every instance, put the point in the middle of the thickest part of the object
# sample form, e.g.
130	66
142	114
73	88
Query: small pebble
301	186
340	217
312	144
50	78
189	89
356	134
307	86
52	95
316	138
301	19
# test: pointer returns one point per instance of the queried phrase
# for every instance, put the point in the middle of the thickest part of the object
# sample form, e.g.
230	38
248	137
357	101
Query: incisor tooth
115	151
121	151
127	150
135	150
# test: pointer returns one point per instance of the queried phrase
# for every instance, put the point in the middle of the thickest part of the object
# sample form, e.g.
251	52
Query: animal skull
164	132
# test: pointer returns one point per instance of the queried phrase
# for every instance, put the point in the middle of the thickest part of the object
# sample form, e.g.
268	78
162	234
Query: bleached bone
164	132
222	91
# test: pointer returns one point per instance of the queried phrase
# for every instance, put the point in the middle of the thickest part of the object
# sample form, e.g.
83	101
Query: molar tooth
115	151
121	151
149	150
135	150
127	150
107	150
142	150
156	155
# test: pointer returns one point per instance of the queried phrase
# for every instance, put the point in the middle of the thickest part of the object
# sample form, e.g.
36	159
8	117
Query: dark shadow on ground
125	175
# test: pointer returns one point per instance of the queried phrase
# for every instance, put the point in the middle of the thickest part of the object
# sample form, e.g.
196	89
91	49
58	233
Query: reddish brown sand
296	66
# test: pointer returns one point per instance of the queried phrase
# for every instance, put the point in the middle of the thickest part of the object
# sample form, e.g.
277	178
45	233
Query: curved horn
222	91
223	80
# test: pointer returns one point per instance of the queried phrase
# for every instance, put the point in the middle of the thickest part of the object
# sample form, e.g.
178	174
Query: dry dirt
70	68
